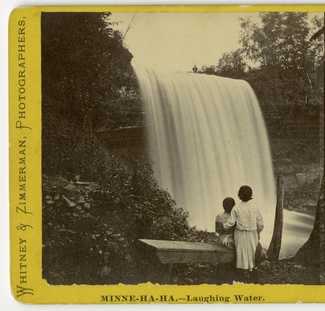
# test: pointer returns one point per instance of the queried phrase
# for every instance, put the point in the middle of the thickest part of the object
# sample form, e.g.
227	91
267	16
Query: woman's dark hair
245	193
228	204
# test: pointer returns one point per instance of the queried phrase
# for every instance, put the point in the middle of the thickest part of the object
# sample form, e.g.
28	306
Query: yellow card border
25	170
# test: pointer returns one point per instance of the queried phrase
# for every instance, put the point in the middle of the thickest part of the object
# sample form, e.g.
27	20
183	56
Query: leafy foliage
281	39
278	59
232	63
87	83
101	222
84	62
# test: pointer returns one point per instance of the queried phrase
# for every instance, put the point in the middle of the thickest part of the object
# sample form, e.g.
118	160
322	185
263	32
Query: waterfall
206	138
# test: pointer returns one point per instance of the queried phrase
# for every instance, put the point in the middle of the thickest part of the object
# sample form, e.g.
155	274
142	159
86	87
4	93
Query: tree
231	64
208	69
84	68
313	251
84	63
315	58
279	45
280	39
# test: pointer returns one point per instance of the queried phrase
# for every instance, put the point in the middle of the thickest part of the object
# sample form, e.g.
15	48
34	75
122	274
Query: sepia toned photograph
182	148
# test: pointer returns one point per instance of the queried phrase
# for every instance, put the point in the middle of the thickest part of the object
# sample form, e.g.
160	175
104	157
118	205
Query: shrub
90	229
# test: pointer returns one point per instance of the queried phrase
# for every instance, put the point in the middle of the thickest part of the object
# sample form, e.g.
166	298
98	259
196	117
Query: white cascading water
207	137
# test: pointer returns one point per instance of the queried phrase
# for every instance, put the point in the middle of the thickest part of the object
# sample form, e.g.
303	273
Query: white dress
249	222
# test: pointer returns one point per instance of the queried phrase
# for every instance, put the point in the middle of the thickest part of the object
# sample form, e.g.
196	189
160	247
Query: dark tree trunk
313	251
273	251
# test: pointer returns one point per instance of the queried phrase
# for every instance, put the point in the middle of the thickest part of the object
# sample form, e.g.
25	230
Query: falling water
207	137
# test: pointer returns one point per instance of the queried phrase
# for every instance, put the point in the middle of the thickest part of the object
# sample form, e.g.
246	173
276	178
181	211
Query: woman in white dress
248	222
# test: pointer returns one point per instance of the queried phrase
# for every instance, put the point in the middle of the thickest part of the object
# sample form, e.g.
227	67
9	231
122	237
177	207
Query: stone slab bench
169	253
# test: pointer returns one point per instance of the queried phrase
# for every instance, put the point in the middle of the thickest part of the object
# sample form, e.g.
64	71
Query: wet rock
105	271
266	264
322	278
81	200
70	187
69	202
301	179
300	267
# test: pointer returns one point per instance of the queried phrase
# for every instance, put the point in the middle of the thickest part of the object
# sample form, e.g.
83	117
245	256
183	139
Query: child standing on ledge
248	223
225	236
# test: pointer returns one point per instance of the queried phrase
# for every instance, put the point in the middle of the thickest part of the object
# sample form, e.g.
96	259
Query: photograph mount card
167	154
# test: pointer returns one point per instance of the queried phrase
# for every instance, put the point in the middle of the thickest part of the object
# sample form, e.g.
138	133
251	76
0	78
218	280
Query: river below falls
296	230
